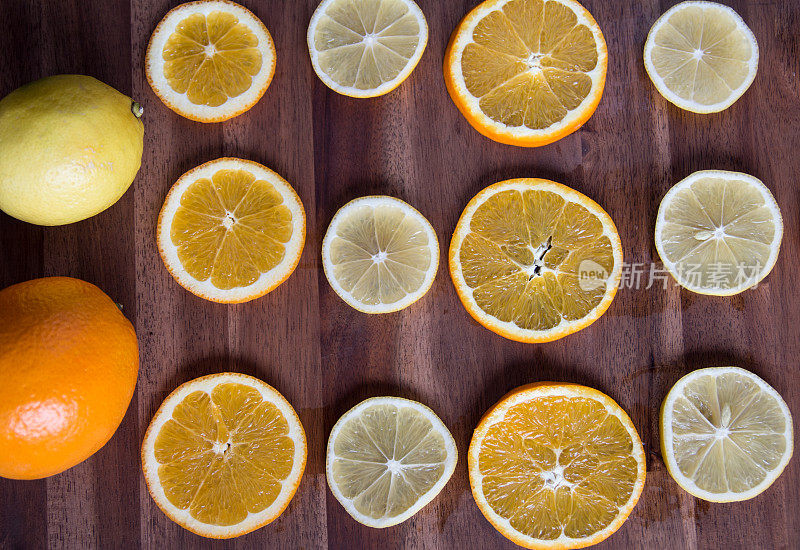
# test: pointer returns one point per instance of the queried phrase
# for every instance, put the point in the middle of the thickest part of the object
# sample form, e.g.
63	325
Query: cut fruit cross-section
556	466
366	48
380	254
534	260
526	72
726	435
718	232
387	458
231	230
224	455
701	56
210	60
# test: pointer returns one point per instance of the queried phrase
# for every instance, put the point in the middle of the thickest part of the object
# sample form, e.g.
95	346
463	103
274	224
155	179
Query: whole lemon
70	146
68	366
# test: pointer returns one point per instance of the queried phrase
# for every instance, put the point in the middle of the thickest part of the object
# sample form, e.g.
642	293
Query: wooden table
325	357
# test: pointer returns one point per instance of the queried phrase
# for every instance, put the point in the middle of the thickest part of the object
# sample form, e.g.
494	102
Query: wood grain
325	357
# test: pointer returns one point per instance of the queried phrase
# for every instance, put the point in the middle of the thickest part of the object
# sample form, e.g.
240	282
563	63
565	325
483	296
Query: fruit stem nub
137	109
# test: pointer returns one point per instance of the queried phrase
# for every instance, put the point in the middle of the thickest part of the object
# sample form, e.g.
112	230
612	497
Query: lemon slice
380	254
718	232
387	458
701	56
526	72
224	455
556	466
231	230
366	48
210	60
726	435
534	260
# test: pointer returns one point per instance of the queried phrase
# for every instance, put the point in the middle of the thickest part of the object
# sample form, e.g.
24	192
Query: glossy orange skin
68	365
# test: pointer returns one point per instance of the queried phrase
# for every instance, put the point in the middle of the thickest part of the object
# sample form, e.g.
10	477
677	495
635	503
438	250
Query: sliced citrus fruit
210	60
534	260
701	56
556	465
387	458
224	455
380	254
231	230
366	48
526	72
718	232
726	435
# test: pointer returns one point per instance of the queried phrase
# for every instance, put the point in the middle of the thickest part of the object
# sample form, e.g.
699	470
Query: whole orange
68	366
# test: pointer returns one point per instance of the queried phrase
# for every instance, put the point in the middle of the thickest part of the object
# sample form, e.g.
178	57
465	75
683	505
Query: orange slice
210	60
231	230
534	260
224	455
556	466
526	72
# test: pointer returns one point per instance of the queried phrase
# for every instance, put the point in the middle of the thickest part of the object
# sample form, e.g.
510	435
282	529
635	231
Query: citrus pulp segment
210	60
718	232
231	230
387	458
380	254
556	465
526	72
534	260
701	56
366	48
726	435
224	455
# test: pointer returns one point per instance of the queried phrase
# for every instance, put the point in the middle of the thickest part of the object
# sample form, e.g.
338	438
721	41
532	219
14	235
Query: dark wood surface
325	357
